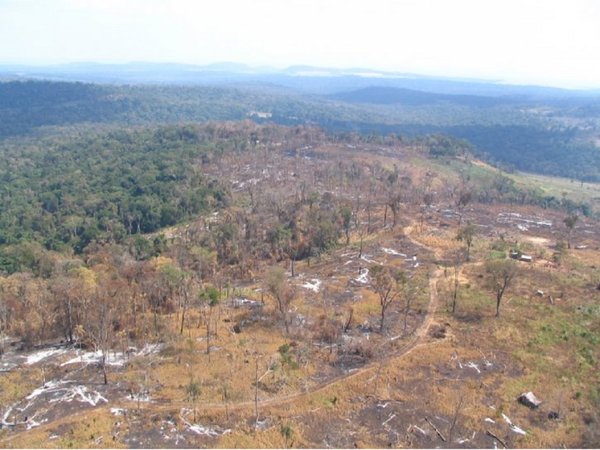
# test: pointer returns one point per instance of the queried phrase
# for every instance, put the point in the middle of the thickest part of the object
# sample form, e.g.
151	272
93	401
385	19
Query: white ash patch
50	386
527	222
240	302
78	393
38	356
149	349
412	261
513	428
368	259
112	358
6	416
207	431
4	339
32	423
391	251
118	411
117	359
363	278
465	440
202	430
7	366
39	402
474	366
169	432
478	366
142	397
314	285
449	213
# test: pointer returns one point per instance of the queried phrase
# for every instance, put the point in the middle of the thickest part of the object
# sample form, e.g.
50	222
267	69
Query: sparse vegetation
197	330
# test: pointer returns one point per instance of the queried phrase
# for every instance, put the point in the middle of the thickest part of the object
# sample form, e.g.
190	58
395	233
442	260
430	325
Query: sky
547	42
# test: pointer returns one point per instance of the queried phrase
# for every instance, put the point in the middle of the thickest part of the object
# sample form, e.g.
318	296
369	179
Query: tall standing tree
455	284
193	391
388	285
178	285
346	214
282	292
501	273
72	294
105	317
210	298
464	197
466	235
570	222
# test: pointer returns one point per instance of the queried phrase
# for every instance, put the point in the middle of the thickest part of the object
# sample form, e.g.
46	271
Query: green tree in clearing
570	222
466	235
287	432
193	391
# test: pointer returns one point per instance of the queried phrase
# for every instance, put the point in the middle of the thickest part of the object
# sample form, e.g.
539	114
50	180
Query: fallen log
439	433
489	433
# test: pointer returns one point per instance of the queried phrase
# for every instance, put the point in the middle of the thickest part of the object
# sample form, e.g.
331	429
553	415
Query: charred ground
258	323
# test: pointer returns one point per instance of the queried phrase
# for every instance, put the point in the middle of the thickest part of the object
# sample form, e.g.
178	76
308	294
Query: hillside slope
552	136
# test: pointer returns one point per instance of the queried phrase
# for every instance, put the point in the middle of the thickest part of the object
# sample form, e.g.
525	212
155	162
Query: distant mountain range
391	96
311	79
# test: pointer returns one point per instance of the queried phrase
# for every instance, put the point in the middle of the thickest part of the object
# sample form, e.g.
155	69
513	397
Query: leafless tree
387	284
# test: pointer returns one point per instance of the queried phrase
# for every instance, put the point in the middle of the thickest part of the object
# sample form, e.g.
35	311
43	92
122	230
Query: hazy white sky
554	42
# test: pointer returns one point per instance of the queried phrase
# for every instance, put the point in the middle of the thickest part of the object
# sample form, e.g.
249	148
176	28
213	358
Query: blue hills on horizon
304	78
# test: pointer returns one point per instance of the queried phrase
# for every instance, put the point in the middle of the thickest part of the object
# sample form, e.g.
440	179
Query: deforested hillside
234	284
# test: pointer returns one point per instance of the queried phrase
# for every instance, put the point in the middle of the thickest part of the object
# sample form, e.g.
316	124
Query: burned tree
388	285
104	318
501	273
282	292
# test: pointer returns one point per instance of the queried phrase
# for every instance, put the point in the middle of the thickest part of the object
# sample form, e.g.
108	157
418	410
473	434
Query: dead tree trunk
256	394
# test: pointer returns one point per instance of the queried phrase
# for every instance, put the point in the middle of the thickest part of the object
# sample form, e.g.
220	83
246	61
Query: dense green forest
27	106
535	149
550	136
65	193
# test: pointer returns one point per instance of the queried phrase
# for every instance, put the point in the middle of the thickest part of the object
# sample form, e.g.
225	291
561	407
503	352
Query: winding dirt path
416	340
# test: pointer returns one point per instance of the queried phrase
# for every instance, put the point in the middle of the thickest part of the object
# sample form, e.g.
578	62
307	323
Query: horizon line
352	71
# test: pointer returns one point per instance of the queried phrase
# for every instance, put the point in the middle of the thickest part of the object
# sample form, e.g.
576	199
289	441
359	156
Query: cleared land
430	378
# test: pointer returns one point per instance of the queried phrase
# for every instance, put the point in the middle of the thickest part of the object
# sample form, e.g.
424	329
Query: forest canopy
508	131
67	192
